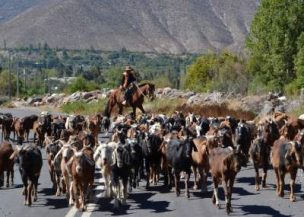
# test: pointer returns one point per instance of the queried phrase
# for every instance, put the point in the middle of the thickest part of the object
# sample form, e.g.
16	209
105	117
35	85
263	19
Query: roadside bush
223	72
82	107
80	84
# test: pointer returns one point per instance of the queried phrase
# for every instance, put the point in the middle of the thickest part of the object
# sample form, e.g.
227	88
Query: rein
140	91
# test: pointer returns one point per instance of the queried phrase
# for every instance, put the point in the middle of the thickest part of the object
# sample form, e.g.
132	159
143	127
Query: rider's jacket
127	79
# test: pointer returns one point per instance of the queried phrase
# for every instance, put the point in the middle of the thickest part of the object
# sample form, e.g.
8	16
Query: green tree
4	83
81	84
112	77
295	86
200	72
217	72
272	42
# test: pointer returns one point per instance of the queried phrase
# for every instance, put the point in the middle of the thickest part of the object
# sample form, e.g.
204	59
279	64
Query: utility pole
24	80
17	80
9	76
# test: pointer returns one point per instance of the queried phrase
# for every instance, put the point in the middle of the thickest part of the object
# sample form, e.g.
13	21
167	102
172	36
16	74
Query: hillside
12	8
164	26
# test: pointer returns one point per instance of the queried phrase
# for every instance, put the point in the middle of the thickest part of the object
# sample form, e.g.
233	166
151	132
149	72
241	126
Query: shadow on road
53	203
249	180
11	187
200	194
56	203
47	191
242	191
105	205
160	188
261	210
142	199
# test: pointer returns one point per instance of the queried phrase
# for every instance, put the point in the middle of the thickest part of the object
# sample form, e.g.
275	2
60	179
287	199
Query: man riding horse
127	83
130	94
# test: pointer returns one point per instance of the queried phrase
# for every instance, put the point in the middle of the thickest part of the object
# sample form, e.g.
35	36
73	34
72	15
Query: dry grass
297	111
217	110
166	106
84	108
213	110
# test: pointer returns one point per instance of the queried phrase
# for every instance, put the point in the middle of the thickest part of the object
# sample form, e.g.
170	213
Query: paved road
157	202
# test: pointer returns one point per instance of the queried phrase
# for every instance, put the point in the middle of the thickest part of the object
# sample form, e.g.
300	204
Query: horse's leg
141	108
134	112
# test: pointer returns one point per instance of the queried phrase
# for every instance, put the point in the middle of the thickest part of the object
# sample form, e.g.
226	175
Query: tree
112	77
272	42
295	86
4	83
81	84
217	72
200	72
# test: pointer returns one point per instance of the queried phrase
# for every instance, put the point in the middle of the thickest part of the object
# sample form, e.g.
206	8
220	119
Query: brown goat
224	165
200	162
286	158
83	168
6	164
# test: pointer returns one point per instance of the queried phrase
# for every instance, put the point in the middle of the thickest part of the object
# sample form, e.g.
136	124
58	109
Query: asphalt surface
159	201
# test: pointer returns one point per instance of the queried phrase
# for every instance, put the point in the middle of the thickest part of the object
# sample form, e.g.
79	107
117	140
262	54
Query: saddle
127	93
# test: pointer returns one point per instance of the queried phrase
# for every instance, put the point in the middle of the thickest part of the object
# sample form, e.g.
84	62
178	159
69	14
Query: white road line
91	207
72	212
99	187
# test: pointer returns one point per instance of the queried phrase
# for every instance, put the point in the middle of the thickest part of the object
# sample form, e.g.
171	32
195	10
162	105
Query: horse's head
150	91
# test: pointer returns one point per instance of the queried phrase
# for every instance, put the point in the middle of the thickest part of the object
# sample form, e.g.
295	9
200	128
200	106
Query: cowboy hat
128	68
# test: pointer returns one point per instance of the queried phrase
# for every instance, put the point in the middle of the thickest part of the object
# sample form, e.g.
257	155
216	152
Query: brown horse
136	100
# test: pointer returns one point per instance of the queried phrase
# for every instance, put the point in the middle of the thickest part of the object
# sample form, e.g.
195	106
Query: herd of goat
173	146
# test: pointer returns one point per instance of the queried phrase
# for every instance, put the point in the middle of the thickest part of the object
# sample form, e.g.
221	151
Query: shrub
217	72
82	107
80	84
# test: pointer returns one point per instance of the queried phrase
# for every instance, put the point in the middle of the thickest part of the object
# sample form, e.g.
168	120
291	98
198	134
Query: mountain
11	8
163	26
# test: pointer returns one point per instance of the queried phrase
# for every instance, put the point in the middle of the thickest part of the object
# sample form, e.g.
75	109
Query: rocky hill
12	8
164	26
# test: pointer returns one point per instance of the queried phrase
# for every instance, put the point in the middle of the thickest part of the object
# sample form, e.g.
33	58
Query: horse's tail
107	112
